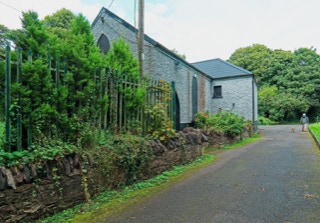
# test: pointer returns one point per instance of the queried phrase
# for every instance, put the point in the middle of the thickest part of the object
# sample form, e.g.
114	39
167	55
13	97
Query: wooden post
141	35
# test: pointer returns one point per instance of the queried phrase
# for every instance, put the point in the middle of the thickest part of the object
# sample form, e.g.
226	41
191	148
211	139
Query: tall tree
57	106
33	35
122	62
296	76
3	40
59	22
121	59
255	58
85	59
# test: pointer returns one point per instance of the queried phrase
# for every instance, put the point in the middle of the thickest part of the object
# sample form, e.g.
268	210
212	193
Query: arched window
104	44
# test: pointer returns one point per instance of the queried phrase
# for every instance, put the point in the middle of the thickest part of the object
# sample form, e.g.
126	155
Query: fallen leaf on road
309	196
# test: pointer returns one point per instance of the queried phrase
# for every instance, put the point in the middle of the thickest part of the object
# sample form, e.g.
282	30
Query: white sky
200	29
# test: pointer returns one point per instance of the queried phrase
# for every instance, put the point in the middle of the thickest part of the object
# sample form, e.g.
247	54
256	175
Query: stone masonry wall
236	96
27	194
158	64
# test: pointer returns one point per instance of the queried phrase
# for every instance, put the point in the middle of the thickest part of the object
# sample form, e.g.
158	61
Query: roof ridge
237	67
203	61
225	62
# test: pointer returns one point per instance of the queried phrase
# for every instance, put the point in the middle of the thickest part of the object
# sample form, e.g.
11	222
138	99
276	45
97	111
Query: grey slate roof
218	68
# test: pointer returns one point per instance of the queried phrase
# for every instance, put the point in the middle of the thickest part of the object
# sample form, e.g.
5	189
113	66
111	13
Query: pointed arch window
104	44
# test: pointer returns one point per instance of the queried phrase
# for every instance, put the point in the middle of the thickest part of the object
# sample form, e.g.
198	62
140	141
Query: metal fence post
29	130
8	99
19	118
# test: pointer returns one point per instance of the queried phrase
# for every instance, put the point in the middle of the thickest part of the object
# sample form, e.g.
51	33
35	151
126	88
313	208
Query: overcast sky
200	29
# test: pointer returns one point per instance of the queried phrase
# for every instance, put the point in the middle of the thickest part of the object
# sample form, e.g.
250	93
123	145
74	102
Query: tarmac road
274	180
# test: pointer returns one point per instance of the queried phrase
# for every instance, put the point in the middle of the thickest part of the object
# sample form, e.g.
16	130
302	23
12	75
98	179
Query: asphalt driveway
274	180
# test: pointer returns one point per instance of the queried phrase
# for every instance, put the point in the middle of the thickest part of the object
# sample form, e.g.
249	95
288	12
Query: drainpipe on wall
253	106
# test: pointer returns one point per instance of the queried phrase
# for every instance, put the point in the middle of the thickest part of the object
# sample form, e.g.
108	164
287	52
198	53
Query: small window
217	92
103	44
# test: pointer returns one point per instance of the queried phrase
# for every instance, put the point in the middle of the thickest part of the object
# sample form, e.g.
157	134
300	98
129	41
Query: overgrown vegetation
68	104
109	202
128	153
265	121
54	105
160	126
222	121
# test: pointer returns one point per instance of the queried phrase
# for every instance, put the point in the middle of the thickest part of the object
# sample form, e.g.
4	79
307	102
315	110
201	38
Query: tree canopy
288	81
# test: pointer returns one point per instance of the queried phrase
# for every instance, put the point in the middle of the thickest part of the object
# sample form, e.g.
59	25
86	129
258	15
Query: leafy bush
15	158
161	125
48	150
128	153
266	121
225	122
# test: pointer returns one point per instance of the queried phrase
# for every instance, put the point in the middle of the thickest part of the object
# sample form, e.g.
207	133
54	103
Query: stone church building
204	86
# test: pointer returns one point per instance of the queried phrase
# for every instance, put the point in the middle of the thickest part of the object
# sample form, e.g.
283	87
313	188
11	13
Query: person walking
304	121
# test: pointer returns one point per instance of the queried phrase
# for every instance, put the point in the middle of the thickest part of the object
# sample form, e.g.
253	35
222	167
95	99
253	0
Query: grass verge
114	202
243	142
315	128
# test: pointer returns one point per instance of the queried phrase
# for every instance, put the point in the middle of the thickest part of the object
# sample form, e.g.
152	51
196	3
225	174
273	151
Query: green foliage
295	75
51	150
315	129
254	58
225	122
3	40
124	66
2	134
125	152
33	35
280	106
60	22
134	97
15	158
48	150
57	107
161	126
122	60
265	121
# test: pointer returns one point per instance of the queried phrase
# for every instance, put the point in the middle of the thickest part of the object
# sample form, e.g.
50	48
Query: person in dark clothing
304	121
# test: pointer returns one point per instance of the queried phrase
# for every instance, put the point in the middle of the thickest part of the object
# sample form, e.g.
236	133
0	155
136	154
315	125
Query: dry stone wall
29	192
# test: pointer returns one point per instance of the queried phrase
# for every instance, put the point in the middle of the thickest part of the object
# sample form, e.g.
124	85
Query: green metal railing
7	99
108	83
